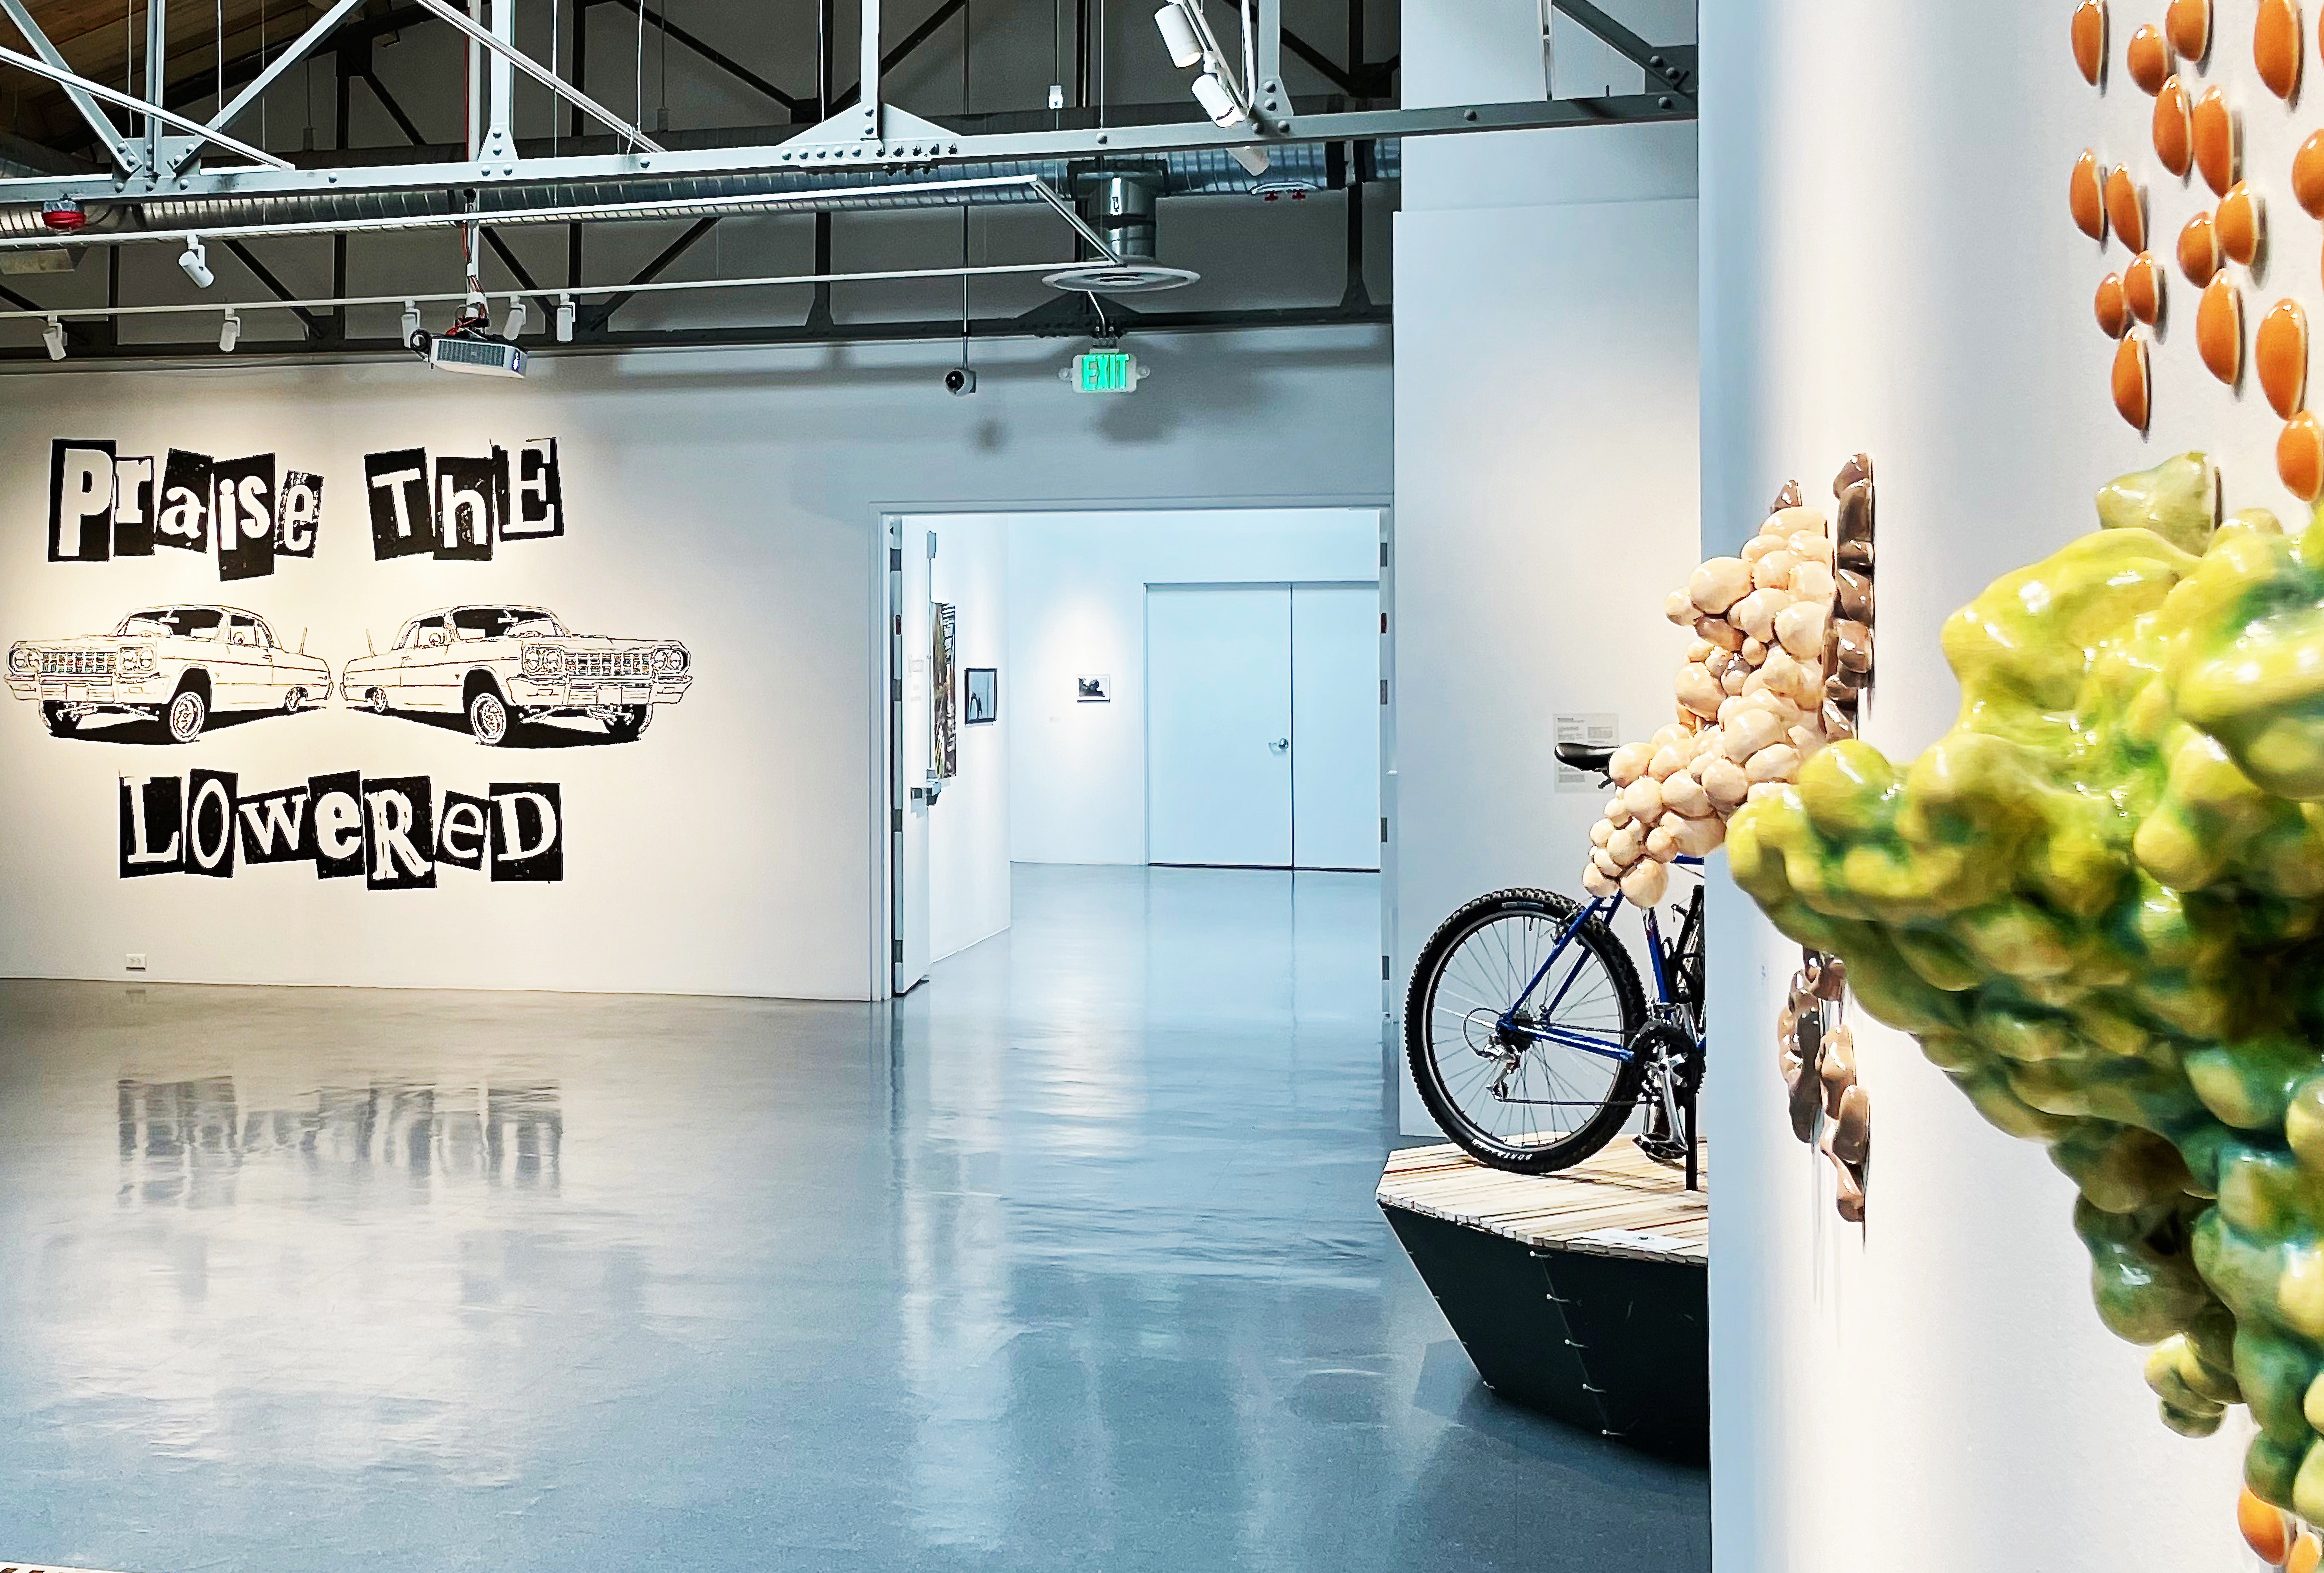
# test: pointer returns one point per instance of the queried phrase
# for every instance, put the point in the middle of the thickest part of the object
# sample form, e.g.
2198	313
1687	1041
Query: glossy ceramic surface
2111	310
2278	46
2187	24
2133	389
2086	196
2149	59
2217	141
2089	39
2174	128
2279	354
2199	256
2142	288
2098	901
2242	223
2126	211
1069	1261
2219	329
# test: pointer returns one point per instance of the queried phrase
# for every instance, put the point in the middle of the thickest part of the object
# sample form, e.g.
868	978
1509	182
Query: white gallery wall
1546	389
968	825
1889	266
1077	599
728	500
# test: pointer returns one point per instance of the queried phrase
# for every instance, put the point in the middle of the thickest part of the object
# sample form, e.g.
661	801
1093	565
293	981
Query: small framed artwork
1094	690
983	706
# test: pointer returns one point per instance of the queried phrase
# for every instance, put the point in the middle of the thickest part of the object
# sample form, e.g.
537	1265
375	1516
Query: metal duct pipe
1121	209
1196	172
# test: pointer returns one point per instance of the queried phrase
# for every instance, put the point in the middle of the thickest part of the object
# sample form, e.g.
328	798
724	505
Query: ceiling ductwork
1191	173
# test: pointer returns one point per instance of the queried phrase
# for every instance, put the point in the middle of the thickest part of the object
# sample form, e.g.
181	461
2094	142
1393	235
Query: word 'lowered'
391	832
105	504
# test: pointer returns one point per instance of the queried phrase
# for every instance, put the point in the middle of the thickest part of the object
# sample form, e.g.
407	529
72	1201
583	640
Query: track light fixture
195	264
1178	33
54	337
514	326
411	322
1194	47
230	331
567	314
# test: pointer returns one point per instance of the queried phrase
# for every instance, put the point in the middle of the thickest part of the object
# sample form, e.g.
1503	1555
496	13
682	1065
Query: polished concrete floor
1069	1261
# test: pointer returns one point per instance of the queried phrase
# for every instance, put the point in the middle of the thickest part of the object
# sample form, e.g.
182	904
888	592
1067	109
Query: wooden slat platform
1619	1203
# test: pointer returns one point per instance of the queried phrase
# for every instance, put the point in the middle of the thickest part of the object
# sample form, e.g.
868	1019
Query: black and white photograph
1093	690
981	699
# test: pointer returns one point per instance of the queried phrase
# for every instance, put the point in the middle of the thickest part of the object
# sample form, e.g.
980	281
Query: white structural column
1888	266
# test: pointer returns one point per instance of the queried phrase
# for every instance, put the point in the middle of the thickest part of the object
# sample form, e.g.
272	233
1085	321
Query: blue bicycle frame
1605	1045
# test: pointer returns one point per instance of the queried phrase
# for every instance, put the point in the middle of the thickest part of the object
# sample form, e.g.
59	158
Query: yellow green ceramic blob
2098	901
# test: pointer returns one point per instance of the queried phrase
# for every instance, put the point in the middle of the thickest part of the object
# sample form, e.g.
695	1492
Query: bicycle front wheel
1501	1067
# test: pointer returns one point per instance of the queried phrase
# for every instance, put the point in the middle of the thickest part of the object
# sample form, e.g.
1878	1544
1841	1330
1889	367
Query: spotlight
230	331
1178	34
54	337
195	264
411	322
567	312
1217	102
514	327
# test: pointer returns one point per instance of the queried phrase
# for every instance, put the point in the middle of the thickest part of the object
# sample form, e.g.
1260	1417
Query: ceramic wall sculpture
1783	643
2098	902
1816	1053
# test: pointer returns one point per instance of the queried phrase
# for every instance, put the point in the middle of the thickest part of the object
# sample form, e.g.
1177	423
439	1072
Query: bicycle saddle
1584	756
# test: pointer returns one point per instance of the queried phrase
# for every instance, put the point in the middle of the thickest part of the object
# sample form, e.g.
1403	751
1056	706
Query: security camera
960	382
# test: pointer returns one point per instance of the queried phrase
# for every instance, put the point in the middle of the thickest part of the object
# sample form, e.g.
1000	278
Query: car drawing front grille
608	663
76	663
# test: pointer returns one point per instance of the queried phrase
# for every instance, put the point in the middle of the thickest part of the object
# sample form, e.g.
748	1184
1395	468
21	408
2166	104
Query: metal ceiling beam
265	275
794	105
990	329
1668	68
131	102
1096	143
300	48
541	74
100	123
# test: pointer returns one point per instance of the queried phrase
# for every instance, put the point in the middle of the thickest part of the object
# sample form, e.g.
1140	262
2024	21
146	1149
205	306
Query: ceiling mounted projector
475	355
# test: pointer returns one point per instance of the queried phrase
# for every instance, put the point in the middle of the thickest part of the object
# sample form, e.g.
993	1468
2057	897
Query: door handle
1281	745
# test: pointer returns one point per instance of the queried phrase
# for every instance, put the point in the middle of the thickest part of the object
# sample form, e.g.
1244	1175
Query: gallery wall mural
503	674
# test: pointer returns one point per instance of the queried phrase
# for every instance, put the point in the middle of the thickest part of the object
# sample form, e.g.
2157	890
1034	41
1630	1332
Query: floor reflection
1068	1261
183	1143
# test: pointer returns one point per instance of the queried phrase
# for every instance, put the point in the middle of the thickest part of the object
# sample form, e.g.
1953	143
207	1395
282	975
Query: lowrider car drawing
178	665
502	666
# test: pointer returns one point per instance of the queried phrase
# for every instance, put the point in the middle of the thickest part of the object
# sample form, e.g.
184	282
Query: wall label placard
391	832
249	511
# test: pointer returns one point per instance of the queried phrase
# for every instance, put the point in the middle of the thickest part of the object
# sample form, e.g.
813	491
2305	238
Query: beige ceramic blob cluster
1780	645
1816	1055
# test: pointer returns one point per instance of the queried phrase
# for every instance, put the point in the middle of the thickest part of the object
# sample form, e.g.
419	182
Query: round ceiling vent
1121	278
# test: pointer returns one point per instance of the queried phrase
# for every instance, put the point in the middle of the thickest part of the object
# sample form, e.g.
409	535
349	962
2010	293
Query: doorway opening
1199	689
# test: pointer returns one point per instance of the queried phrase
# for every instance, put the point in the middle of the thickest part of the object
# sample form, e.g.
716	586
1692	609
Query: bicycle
1526	1001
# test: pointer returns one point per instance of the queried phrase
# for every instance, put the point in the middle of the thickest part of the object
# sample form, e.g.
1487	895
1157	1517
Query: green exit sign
1106	371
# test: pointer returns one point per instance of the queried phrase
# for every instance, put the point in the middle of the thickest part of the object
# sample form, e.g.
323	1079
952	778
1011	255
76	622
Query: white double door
1263	725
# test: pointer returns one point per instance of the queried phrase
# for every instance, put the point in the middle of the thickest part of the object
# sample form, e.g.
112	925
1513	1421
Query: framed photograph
983	706
1094	690
944	714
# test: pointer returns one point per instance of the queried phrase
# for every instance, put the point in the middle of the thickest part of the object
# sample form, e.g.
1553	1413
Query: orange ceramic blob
2199	250
2188	26
2087	195
2090	40
2300	460
2150	59
2241	223
2215	141
2280	351
2112	310
2142	288
2265	1528
2219	329
2308	175
2175	128
2126	211
2276	46
2307	1553
2133	395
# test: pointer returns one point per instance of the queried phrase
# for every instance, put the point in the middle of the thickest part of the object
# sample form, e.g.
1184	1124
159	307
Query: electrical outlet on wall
136	961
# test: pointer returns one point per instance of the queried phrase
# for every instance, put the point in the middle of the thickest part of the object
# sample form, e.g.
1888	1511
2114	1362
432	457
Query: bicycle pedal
1662	1149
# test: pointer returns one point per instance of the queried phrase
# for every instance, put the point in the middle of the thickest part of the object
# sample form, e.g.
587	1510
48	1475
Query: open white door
1335	726
910	551
1218	725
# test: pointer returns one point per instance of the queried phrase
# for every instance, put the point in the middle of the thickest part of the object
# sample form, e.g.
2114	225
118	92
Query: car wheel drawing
488	718
189	712
62	722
